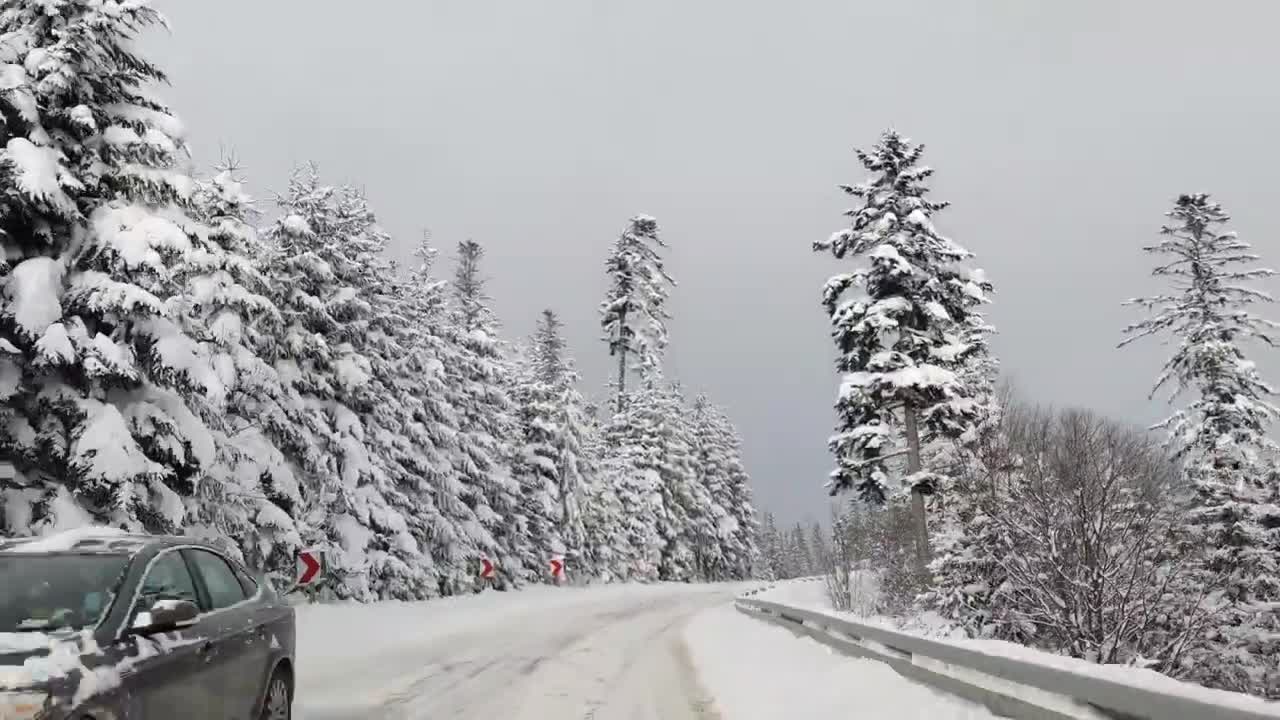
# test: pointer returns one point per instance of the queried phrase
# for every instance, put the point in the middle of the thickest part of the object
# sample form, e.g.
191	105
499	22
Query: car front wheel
277	704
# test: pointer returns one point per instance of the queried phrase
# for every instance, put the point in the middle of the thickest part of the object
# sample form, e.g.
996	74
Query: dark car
107	626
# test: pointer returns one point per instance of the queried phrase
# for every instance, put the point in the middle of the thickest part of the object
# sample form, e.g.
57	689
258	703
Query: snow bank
1124	674
811	595
793	677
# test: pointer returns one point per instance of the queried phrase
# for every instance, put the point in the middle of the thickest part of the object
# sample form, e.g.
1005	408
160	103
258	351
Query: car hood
20	659
15	675
31	660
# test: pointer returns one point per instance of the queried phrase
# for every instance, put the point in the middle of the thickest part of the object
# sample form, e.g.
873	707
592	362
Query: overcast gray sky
1061	131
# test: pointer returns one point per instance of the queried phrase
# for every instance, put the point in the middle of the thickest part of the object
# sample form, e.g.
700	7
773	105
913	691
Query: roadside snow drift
807	594
756	671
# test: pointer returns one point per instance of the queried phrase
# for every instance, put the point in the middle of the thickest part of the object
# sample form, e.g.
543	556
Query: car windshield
56	592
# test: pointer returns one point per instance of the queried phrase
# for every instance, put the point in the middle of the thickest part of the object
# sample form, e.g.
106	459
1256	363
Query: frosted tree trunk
919	522
622	362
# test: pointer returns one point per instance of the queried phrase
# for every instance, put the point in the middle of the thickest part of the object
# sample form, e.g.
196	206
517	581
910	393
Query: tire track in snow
515	657
621	658
639	671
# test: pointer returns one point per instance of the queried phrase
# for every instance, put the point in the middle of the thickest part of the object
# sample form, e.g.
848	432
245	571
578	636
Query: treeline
170	363
1058	529
788	554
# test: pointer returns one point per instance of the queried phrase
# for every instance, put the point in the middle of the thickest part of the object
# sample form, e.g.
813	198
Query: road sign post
487	569
557	569
309	568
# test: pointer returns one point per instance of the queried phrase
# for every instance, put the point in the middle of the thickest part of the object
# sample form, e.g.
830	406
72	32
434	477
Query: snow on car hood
73	656
12	642
16	650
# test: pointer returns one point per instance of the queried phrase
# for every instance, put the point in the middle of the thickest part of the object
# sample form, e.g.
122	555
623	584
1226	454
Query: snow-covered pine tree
555	369
479	380
251	492
975	473
820	549
725	524
575	470
899	339
633	313
970	543
1221	434
717	543
378	329
694	550
456	532
801	554
632	465
610	533
746	552
326	261
536	468
739	531
656	490
771	550
649	455
609	554
96	378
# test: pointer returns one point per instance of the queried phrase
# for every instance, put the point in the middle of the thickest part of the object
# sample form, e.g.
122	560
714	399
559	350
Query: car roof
94	541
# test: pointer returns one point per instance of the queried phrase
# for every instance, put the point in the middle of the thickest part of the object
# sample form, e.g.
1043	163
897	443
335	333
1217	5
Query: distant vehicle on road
102	625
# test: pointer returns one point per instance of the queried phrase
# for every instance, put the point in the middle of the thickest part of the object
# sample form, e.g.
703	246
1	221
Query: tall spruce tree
612	534
633	466
655	490
386	405
480	379
556	371
899	340
633	314
251	492
975	471
97	379
609	553
971	543
326	263
771	551
739	531
717	537
1221	434
457	530
730	512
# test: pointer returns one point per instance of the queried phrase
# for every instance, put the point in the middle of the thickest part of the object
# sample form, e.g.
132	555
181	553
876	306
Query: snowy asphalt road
617	656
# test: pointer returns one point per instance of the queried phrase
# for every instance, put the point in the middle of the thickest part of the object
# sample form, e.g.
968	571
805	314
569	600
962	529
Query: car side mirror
165	616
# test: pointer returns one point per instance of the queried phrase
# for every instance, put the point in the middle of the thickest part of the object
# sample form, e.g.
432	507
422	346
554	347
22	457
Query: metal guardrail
1008	687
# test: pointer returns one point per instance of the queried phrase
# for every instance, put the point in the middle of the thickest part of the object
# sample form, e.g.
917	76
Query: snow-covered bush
1089	569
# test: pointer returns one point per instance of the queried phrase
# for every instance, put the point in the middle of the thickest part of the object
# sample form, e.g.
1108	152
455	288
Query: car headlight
22	705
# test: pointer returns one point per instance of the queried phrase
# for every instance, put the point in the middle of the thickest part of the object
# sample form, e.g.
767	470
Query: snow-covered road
627	652
600	654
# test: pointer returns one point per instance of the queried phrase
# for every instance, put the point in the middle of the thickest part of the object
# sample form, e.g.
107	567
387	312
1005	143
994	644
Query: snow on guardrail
1049	688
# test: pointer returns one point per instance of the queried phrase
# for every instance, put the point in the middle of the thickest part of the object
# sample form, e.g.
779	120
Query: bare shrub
1090	517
